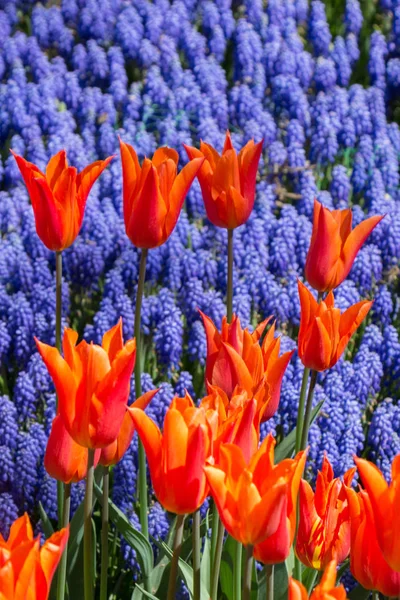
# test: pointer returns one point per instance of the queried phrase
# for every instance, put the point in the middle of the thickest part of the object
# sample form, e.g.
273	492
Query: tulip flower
65	460
92	383
251	497
26	567
325	590
59	197
276	549
235	358
177	456
324	520
385	500
324	332
334	246
367	562
112	454
154	193
228	181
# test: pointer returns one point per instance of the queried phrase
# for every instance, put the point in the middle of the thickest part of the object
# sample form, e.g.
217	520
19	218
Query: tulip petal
113	341
164	154
249	157
56	165
131	172
86	179
230	370
48	217
151	439
179	191
20	532
355	240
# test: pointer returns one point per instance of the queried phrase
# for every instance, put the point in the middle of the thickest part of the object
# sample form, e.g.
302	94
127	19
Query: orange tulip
112	454
324	332
26	568
59	197
177	456
367	562
154	194
64	459
92	384
385	502
238	420
235	358
334	246
276	548
251	497
228	182
325	590
324	520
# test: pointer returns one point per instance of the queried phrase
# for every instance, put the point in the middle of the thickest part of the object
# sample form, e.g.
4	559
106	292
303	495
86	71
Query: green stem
307	414
62	569
375	595
104	535
229	285
217	561
180	519
237	571
87	532
196	555
269	580
248	568
300	413
60	486
138	392
214	532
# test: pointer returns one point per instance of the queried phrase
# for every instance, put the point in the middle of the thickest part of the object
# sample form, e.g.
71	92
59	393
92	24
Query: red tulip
324	332
154	194
324	520
334	246
112	454
26	567
59	197
236	358
64	459
325	590
228	181
92	384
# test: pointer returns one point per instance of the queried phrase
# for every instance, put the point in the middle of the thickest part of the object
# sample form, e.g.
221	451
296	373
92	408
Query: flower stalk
104	534
87	532
248	568
180	520
196	556
62	569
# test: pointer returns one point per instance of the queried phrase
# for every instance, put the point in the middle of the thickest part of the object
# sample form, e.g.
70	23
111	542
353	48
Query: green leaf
309	578
142	592
226	570
359	593
281	582
75	537
134	538
186	572
286	447
47	526
205	566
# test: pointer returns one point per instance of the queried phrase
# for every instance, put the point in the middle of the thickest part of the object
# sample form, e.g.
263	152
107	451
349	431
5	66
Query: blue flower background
317	86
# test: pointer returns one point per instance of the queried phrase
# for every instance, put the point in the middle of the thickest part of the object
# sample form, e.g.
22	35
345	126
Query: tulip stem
307	414
248	569
138	392
180	519
217	560
269	581
87	532
214	531
229	285
62	569
104	535
300	414
60	486
237	571
196	555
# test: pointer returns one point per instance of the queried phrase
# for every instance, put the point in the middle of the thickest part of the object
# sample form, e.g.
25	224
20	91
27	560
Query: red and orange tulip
92	383
251	497
334	246
367	562
64	459
154	194
235	358
385	502
324	520
325	590
112	454
26	568
59	197
324	332
177	456
228	181
276	548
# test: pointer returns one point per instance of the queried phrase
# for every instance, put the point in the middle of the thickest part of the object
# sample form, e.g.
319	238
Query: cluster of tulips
211	448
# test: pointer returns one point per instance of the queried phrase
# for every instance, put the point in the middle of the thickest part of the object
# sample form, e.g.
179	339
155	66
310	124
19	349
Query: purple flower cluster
170	73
